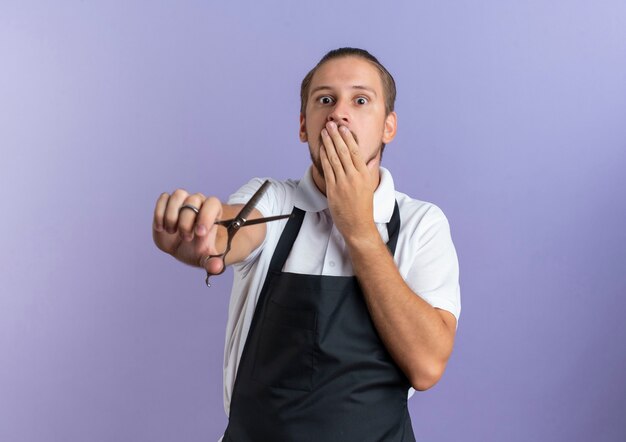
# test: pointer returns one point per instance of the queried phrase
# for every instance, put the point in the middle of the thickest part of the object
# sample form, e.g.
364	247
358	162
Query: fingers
329	174
180	221
336	150
187	218
210	212
353	149
159	211
342	150
166	211
169	217
187	235
213	266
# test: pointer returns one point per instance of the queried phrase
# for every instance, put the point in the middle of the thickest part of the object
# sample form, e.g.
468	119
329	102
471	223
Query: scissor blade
252	222
265	220
250	205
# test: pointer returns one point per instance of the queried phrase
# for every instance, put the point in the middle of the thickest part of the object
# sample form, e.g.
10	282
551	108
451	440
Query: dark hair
389	85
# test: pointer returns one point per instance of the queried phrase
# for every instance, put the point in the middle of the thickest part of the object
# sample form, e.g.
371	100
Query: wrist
364	240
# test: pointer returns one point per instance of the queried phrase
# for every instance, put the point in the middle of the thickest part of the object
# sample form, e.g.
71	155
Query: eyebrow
359	87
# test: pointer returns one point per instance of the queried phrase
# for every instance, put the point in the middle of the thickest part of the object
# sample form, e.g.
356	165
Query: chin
317	163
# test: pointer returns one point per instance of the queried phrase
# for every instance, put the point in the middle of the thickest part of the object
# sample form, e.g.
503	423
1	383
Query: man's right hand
190	238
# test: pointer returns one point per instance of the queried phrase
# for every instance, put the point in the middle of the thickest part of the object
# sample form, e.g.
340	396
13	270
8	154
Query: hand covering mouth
321	143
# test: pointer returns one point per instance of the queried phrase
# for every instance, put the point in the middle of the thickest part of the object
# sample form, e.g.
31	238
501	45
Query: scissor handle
232	229
221	255
233	225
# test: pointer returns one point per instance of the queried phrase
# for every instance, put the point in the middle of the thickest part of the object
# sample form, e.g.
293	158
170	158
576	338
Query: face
348	91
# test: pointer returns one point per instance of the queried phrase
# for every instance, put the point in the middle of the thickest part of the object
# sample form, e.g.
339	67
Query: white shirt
425	254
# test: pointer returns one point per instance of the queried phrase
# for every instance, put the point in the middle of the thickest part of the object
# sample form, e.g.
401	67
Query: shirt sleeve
270	204
434	273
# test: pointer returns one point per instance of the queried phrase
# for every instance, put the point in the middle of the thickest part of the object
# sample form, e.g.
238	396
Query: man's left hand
349	183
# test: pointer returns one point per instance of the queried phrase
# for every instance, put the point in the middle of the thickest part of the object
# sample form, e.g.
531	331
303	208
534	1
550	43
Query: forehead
346	72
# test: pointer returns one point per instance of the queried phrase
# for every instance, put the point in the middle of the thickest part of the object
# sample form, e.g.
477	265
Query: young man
336	313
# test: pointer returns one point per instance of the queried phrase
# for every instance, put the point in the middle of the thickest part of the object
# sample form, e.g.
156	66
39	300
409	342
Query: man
336	313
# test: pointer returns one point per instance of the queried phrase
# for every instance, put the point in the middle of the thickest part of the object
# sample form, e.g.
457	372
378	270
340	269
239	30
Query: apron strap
393	229
286	240
292	228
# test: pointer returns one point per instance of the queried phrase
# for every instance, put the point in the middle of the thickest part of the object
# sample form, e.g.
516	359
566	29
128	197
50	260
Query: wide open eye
362	100
325	99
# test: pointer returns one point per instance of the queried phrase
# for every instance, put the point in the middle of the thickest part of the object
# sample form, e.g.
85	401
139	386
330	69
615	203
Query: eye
362	100
325	100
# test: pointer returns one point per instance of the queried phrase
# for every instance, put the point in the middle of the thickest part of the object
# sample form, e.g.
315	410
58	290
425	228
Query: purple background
511	119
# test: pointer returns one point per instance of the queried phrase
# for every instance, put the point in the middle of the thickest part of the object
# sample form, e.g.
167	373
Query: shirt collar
310	199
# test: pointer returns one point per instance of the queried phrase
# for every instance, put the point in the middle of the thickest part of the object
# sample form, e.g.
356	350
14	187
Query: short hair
389	84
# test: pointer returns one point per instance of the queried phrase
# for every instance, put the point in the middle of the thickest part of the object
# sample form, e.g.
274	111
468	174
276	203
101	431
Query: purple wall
511	118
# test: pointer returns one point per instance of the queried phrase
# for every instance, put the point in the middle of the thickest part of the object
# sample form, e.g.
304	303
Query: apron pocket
285	354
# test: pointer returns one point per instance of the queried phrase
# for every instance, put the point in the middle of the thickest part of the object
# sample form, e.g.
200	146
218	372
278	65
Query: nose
339	114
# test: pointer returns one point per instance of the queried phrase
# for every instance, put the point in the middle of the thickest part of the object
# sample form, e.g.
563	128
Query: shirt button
332	263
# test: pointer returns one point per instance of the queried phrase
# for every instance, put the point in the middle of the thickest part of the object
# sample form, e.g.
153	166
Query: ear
390	128
303	136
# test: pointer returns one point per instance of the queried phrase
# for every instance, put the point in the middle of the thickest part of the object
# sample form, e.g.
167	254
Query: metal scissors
241	220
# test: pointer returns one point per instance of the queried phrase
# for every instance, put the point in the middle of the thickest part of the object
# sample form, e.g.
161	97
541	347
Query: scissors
241	220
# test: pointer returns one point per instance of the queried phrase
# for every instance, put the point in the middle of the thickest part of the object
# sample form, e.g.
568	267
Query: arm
190	237
419	337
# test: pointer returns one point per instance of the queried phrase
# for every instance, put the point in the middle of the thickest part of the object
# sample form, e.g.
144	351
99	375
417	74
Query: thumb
215	265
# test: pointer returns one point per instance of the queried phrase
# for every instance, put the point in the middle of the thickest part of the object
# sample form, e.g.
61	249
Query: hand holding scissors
241	220
189	237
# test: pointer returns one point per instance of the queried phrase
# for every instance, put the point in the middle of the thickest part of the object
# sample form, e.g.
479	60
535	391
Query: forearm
246	240
413	332
417	336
